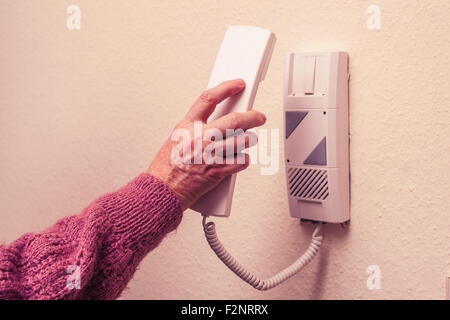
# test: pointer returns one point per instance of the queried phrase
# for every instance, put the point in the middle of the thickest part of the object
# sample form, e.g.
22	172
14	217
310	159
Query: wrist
169	183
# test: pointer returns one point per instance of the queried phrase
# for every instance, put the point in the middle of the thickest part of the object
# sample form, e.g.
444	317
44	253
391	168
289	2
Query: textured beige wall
82	112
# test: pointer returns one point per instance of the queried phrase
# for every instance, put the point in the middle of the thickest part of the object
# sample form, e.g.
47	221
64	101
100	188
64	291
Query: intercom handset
245	54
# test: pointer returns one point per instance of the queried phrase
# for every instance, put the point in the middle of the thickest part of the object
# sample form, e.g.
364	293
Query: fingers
206	103
237	143
226	151
239	162
238	120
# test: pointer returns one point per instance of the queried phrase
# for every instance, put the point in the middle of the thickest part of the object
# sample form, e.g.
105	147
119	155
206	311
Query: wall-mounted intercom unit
316	138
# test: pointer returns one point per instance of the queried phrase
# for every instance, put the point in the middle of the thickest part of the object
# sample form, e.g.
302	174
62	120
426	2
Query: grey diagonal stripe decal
319	155
293	119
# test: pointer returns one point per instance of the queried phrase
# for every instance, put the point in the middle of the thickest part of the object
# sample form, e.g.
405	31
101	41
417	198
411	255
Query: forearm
105	243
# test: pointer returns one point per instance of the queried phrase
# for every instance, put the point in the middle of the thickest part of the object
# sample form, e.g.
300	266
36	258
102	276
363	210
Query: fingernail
240	85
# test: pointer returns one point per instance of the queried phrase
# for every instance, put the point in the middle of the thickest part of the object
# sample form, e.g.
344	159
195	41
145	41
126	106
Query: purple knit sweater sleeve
101	247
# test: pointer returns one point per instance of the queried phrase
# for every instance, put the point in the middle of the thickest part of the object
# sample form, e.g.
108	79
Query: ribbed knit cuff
142	212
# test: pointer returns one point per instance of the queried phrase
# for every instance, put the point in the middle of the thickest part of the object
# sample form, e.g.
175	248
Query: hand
188	178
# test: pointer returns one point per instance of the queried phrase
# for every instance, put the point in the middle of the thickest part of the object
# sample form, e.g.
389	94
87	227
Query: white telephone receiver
245	53
316	140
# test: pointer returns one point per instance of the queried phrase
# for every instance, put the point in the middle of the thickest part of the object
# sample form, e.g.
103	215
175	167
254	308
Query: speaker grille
308	184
